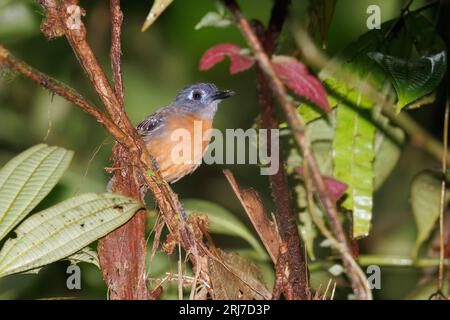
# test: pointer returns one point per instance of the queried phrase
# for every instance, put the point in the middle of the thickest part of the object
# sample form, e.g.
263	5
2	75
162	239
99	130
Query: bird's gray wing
153	122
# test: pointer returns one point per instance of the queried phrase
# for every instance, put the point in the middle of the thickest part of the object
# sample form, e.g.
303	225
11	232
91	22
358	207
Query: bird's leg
183	213
155	163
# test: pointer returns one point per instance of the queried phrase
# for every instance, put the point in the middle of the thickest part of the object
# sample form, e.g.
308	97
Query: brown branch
252	204
297	279
61	16
116	50
122	253
282	284
9	61
297	126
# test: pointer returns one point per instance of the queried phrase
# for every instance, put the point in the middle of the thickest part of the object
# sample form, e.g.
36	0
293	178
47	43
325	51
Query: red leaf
217	53
335	187
296	76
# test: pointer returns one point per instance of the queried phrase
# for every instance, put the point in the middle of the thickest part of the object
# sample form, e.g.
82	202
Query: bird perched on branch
177	135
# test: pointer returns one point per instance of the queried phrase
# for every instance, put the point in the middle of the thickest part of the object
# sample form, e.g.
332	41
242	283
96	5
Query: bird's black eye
196	95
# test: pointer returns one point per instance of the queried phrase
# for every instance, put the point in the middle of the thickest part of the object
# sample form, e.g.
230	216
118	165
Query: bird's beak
220	95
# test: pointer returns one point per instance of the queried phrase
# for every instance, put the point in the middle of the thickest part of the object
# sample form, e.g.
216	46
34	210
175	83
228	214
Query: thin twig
343	250
386	261
9	61
297	279
116	50
297	126
75	32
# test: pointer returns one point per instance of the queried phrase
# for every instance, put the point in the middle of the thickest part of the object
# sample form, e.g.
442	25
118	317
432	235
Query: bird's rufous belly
180	147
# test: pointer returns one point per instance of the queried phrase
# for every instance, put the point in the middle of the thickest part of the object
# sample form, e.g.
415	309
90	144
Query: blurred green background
156	64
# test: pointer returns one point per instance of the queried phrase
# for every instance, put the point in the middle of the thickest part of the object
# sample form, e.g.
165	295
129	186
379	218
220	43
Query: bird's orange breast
180	147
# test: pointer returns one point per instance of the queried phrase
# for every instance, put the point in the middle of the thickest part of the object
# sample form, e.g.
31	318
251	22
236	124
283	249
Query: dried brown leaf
234	278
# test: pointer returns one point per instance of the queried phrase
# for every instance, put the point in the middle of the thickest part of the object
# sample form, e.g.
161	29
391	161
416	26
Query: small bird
195	104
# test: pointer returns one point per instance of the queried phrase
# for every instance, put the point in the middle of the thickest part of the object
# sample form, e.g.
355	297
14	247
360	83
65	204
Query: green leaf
213	19
222	221
388	143
87	255
353	158
27	179
412	79
364	156
308	232
63	230
425	201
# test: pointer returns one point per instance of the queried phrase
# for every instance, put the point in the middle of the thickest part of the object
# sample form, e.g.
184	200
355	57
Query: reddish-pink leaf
217	53
296	76
335	187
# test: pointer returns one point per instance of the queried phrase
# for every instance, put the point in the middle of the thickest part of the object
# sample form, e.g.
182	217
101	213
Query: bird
195	104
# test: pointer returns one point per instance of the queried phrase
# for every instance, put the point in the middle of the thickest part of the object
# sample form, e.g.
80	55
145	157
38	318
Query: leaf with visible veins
296	76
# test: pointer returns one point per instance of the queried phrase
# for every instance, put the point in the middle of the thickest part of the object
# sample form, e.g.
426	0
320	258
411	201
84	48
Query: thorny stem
296	283
343	250
297	126
116	50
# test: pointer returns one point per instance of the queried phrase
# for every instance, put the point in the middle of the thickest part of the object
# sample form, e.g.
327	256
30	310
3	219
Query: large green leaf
366	148
412	79
222	221
353	158
86	255
354	148
27	179
63	230
425	201
388	143
354	143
